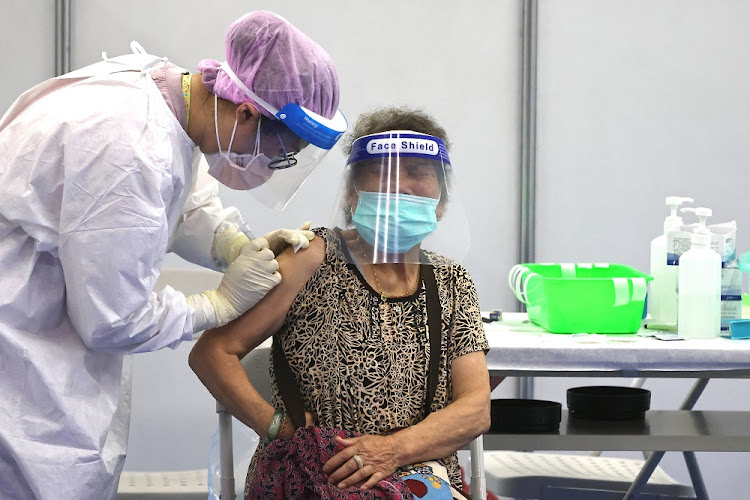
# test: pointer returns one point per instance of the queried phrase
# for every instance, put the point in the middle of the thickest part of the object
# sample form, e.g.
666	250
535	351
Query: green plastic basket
573	298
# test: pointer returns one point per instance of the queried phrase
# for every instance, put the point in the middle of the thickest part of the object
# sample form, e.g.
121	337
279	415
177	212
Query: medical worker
99	178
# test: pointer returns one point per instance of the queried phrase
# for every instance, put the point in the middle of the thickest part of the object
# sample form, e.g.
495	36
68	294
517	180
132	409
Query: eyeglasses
285	160
280	163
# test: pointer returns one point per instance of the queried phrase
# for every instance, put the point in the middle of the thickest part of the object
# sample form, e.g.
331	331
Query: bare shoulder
301	266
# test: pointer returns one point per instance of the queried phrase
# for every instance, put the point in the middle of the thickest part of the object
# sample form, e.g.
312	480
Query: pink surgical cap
276	61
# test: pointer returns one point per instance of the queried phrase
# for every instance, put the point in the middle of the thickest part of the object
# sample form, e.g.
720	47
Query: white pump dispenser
662	297
702	213
699	309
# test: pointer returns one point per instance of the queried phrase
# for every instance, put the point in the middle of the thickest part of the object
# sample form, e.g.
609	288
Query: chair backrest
256	364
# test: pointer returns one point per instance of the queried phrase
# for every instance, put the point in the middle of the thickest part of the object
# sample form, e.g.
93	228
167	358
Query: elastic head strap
233	76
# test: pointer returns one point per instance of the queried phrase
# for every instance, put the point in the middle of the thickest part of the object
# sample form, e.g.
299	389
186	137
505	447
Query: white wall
637	100
27	55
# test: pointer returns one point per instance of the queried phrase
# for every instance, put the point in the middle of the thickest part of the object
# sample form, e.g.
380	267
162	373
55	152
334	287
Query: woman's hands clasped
365	459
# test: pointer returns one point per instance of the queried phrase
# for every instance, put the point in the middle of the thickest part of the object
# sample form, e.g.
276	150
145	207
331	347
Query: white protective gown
95	173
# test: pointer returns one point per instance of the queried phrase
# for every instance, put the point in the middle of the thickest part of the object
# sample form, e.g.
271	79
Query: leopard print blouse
360	363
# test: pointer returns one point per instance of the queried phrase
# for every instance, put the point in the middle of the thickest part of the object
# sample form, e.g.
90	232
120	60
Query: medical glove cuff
204	316
228	244
223	310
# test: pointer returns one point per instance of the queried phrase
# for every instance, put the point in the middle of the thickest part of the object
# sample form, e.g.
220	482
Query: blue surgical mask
393	222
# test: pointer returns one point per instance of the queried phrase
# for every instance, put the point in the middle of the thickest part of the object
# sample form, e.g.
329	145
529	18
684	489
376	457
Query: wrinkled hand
298	238
287	430
378	459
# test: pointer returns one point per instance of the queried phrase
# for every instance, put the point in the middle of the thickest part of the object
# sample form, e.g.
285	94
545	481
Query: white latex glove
298	238
228	245
247	280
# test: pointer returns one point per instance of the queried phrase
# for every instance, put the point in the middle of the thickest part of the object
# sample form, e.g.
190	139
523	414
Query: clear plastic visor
392	208
291	160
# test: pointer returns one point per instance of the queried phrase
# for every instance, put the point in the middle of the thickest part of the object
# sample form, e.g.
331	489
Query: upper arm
468	343
469	375
266	317
466	327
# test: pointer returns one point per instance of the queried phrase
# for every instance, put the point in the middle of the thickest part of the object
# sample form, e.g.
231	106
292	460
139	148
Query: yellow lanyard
186	97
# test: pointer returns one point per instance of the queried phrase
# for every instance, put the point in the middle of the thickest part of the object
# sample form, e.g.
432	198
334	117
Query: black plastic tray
602	402
526	416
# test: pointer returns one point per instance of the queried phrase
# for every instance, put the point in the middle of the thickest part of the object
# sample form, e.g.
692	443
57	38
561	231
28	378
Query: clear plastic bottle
662	297
699	307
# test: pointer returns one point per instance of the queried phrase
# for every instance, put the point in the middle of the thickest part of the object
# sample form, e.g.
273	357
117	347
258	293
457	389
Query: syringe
246	230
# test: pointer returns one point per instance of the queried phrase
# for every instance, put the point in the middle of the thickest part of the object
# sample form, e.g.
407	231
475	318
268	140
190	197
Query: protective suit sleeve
202	219
205	313
113	237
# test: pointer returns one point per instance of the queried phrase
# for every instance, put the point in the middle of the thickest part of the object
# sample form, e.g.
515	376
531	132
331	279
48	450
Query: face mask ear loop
231	139
356	190
216	127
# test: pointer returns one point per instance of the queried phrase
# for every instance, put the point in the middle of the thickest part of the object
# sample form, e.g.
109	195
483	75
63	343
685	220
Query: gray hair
393	118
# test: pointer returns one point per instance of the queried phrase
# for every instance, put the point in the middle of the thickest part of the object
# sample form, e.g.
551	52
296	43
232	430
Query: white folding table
519	348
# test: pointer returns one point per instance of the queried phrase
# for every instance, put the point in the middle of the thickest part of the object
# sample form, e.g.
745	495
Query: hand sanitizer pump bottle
662	297
699	306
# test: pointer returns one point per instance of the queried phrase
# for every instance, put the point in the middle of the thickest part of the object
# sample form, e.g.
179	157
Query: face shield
396	200
293	144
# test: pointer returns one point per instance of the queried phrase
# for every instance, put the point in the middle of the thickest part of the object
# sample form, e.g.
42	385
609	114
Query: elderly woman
351	319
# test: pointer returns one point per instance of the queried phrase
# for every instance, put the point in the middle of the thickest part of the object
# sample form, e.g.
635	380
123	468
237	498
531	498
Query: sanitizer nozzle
702	213
674	219
675	201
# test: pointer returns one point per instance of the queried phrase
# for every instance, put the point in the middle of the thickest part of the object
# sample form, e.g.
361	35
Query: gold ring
358	461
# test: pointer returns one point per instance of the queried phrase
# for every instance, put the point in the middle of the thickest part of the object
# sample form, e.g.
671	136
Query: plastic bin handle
623	293
513	277
640	287
518	279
